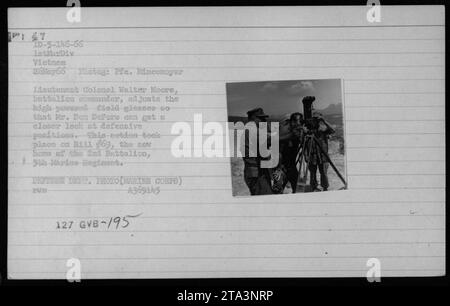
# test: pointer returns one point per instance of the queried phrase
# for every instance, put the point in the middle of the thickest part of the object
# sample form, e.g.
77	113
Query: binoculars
310	122
307	106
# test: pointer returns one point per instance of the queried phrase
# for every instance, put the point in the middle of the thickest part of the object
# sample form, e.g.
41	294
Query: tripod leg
302	157
300	163
300	147
331	163
312	176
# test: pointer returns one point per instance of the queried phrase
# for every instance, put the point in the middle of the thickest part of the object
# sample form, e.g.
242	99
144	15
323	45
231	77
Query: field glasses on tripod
310	121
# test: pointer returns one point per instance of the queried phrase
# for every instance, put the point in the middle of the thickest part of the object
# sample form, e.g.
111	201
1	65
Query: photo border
286	288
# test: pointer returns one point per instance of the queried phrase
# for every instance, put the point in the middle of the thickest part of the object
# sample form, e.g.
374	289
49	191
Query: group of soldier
292	133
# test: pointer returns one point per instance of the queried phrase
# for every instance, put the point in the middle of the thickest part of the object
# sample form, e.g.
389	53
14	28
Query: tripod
307	148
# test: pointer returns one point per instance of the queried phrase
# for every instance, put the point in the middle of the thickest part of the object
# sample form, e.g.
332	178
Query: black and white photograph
311	136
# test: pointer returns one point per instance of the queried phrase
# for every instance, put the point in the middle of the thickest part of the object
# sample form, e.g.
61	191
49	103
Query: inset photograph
288	136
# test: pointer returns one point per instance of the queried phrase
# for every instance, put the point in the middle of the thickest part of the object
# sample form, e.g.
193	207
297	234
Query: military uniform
318	159
289	146
289	154
257	179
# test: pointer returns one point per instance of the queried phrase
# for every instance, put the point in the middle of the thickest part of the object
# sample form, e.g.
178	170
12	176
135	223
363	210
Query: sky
278	98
